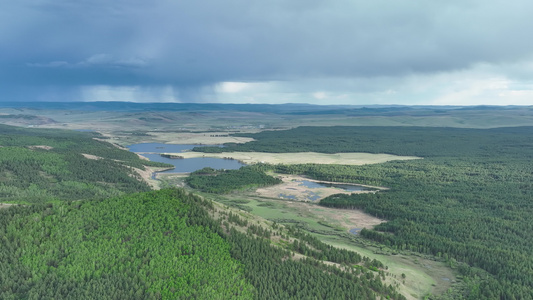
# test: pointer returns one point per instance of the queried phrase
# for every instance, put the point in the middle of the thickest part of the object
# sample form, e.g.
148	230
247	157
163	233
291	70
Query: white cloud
232	87
320	95
128	93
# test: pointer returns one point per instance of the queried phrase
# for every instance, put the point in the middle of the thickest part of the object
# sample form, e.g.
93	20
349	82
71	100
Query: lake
152	150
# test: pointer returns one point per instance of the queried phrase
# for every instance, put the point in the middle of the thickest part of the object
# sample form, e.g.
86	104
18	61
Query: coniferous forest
223	181
113	240
38	166
469	200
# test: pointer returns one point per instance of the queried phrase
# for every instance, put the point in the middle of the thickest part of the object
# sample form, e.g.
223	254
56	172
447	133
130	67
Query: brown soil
146	175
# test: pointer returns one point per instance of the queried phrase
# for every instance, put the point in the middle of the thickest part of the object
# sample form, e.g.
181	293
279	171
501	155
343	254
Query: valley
438	212
293	202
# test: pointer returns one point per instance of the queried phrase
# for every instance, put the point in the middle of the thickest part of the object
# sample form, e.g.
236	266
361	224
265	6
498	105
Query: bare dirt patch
142	157
44	147
90	156
146	175
5	205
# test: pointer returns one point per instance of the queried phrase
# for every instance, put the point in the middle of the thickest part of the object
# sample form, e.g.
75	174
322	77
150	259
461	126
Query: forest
163	245
140	246
223	181
468	201
408	141
127	242
38	166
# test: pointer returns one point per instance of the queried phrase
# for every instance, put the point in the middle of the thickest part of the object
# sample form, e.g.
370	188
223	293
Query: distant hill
274	108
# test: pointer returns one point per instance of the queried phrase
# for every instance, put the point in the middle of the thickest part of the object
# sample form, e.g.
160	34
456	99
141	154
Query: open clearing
314	216
147	176
343	218
5	205
211	138
293	189
301	157
423	276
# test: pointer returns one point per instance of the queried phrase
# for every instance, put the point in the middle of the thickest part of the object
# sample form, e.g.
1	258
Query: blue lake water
313	196
291	197
346	187
355	231
151	150
193	164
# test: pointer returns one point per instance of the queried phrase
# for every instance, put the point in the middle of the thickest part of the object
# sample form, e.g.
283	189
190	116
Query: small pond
344	186
355	231
284	196
152	150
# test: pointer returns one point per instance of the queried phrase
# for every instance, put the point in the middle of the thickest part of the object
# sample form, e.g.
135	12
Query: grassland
204	138
151	124
423	275
302	157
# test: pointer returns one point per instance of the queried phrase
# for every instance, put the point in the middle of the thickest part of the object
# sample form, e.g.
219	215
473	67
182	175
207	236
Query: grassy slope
422	280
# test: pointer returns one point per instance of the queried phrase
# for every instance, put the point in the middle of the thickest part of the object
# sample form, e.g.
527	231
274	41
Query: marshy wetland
300	188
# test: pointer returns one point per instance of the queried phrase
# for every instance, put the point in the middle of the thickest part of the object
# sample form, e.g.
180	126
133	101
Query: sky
360	52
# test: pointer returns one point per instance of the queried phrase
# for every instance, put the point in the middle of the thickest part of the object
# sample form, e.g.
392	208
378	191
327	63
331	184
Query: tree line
468	200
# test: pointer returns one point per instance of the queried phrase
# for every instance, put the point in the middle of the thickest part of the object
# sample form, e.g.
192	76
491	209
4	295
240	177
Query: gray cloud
192	46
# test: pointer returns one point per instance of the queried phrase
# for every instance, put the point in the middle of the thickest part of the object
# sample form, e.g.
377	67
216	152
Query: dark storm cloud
193	44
